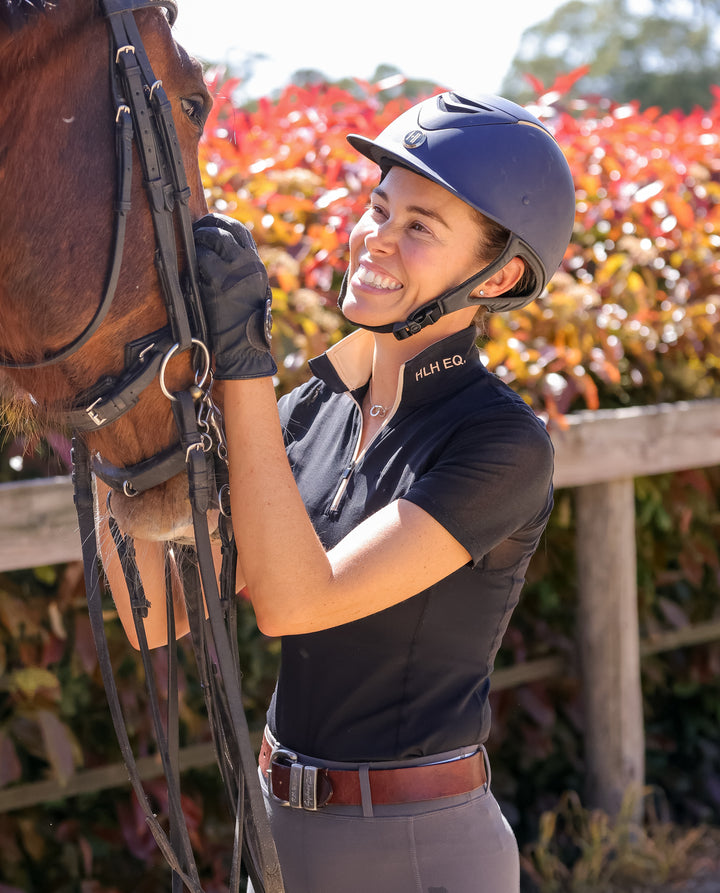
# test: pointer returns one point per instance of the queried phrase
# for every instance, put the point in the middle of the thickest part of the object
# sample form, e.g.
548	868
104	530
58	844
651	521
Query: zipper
357	456
344	479
345	476
347	472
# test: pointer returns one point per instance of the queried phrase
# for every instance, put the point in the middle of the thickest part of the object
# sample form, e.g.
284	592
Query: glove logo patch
268	322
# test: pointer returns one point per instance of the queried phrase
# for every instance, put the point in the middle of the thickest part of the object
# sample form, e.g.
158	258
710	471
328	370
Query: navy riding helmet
499	159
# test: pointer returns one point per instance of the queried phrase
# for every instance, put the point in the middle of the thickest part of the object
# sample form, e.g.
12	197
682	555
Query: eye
194	110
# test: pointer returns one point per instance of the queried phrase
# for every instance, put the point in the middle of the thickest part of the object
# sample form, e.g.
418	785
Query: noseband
143	114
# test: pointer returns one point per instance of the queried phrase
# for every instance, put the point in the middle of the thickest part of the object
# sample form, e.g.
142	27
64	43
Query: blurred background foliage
630	319
658	53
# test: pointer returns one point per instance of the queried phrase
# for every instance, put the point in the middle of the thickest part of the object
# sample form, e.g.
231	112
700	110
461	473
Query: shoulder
301	405
492	409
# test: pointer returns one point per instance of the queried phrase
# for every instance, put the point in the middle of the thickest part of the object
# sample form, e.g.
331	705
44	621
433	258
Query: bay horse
103	332
58	174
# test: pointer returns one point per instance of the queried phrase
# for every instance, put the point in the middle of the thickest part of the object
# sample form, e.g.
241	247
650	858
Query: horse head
59	195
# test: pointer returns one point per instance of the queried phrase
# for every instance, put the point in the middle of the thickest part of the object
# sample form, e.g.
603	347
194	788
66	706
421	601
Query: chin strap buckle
425	316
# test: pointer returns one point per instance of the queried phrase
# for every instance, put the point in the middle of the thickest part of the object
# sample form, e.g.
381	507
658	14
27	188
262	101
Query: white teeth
376	280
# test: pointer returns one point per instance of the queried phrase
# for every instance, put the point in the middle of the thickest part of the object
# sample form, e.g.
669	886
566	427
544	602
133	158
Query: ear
502	281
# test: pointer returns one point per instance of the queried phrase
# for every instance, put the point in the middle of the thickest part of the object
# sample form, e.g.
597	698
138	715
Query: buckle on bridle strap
128	48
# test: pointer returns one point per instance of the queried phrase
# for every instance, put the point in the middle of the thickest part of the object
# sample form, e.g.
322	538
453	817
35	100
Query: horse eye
194	109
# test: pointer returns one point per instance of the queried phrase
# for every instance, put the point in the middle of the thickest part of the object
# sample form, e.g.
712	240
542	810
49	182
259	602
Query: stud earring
482	293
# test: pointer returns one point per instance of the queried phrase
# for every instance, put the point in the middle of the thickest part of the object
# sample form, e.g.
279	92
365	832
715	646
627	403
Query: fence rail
598	454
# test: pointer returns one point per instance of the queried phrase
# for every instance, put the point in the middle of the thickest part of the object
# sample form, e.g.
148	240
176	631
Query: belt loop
365	793
488	771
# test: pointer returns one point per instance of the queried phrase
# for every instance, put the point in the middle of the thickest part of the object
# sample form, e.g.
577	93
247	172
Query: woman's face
414	242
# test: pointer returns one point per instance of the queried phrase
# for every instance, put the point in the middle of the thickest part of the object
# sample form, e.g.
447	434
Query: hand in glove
236	298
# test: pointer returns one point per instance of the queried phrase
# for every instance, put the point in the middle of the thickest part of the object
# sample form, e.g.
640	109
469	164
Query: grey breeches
457	844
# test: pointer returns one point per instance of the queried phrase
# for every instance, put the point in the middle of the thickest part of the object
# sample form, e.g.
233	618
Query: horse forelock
16	13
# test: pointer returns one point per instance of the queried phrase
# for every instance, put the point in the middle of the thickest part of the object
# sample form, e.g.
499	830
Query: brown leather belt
311	787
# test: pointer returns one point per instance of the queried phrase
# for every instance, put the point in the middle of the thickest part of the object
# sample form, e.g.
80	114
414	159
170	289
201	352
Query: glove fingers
220	224
243	280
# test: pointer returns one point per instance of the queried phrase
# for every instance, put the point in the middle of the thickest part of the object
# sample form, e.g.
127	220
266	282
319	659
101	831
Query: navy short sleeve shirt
413	679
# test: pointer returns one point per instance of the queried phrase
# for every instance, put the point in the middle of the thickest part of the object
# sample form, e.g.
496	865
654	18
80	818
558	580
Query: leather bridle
143	115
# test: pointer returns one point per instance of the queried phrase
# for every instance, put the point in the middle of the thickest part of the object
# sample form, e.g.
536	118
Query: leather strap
176	859
341	787
116	7
253	826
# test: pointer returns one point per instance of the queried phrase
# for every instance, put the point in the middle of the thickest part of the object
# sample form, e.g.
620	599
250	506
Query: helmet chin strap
453	299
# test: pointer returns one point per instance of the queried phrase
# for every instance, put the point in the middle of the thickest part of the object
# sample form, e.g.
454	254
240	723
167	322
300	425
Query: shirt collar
441	368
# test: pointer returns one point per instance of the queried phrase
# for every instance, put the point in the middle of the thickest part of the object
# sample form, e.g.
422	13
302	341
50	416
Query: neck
390	355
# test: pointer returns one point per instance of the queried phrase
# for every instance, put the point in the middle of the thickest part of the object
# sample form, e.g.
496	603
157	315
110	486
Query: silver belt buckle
302	790
309	788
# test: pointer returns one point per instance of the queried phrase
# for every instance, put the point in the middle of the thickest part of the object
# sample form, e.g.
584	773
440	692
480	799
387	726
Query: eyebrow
415	209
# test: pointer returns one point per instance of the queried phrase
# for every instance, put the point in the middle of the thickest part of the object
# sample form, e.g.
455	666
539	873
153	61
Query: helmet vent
453	102
452	110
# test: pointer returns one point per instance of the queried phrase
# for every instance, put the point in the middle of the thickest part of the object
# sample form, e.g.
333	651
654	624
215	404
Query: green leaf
30	681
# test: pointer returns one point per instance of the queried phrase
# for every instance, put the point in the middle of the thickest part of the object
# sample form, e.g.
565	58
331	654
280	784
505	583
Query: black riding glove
236	297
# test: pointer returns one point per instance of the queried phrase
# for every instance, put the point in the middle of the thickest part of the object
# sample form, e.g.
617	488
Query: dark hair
492	241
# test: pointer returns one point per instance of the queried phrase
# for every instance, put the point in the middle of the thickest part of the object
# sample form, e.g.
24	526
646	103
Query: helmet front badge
414	139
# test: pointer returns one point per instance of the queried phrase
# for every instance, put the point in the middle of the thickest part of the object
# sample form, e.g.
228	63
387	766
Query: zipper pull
344	477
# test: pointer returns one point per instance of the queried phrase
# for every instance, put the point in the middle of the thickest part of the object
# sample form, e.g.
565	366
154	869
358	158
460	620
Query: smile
376	280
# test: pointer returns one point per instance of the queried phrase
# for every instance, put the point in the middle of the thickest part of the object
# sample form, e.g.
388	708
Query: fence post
608	637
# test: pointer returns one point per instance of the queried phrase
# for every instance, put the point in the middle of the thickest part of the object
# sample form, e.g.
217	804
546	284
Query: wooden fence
597	455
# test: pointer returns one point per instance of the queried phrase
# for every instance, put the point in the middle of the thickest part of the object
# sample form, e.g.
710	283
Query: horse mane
16	13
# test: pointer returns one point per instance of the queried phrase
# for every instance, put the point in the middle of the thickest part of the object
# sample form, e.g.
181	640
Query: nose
380	238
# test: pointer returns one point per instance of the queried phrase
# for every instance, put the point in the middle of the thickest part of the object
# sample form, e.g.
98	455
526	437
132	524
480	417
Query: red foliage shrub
630	317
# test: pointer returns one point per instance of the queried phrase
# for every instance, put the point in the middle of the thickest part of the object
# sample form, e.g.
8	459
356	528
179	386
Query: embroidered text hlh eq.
440	366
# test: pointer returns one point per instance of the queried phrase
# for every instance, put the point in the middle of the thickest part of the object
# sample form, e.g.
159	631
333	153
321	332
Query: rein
144	115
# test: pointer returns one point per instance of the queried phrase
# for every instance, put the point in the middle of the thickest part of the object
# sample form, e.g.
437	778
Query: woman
389	551
385	516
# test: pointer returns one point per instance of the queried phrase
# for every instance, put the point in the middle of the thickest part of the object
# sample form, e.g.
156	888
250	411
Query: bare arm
295	586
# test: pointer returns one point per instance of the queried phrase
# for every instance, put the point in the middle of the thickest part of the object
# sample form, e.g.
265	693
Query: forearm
294	585
275	538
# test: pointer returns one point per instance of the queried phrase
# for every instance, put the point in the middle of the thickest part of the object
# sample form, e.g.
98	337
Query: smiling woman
396	500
